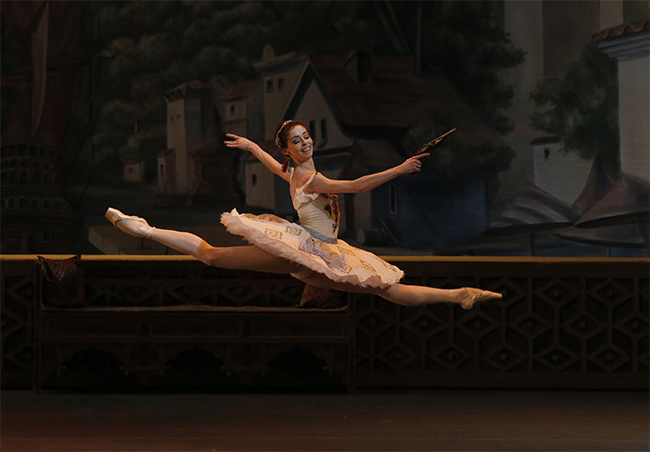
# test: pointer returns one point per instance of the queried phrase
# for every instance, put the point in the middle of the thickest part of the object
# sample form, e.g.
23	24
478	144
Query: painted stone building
553	34
196	159
358	108
630	45
560	174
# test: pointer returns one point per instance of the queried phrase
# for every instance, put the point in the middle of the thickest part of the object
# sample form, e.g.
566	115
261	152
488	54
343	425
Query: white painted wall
560	174
524	20
314	107
234	110
183	129
275	101
634	122
262	194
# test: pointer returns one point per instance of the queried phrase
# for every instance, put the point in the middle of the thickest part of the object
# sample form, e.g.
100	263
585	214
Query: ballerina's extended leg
408	295
138	227
256	259
234	257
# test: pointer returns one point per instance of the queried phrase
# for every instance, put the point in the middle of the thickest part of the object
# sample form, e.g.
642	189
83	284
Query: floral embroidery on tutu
338	261
317	248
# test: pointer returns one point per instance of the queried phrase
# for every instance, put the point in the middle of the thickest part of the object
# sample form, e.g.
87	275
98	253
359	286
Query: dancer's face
300	146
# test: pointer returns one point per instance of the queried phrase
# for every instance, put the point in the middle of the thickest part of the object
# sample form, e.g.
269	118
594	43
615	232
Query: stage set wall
578	323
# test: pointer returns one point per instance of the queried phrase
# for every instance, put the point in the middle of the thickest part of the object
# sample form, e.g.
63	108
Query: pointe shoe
471	295
135	226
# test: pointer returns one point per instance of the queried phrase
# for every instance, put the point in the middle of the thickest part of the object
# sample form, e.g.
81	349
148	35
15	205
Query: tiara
277	135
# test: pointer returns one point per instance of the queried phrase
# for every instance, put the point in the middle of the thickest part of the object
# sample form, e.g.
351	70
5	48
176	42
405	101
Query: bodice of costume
318	212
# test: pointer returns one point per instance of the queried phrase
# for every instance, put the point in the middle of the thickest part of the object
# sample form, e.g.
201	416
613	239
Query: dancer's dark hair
281	141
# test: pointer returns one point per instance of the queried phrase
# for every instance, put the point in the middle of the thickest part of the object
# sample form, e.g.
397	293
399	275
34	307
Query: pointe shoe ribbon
473	295
135	226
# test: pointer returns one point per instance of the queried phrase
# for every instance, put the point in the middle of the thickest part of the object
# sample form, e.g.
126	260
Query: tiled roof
622	235
622	30
369	156
225	81
241	89
627	201
396	97
598	183
532	209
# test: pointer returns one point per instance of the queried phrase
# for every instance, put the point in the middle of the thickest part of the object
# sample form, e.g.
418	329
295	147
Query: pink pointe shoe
470	295
135	226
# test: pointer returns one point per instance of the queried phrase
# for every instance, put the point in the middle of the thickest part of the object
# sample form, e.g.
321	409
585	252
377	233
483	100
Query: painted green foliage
148	48
153	47
581	107
464	40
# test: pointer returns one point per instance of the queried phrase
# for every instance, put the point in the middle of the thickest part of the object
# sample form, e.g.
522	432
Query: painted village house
578	198
196	167
552	34
630	45
358	108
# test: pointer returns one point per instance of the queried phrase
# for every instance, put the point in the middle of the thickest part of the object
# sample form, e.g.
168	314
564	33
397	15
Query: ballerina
309	251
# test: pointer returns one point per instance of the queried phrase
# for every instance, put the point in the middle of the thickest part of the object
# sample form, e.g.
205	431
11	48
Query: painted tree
461	39
464	41
581	107
151	47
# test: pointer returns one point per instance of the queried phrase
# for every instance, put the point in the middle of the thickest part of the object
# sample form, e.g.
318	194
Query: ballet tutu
338	261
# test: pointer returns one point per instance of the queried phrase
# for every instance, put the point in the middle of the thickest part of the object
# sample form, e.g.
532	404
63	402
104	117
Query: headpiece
277	135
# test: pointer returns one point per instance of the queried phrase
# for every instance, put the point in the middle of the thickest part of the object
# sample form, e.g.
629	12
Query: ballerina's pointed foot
470	295
135	226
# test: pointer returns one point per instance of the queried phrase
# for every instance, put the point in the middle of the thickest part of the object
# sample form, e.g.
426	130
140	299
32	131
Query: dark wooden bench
159	322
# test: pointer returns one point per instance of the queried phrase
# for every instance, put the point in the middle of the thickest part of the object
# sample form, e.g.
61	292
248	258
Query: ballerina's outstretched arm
322	184
259	153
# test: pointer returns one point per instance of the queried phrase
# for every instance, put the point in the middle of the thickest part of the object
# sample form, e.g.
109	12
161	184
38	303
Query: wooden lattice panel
15	322
563	323
576	324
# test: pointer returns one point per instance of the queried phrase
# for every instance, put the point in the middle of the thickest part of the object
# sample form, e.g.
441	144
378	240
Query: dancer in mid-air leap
310	251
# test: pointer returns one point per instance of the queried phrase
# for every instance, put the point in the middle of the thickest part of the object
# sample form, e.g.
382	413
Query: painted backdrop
126	104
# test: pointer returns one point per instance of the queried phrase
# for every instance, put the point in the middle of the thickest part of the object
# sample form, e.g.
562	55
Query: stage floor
397	420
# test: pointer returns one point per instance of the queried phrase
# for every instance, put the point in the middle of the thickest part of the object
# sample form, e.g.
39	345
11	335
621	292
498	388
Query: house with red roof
359	108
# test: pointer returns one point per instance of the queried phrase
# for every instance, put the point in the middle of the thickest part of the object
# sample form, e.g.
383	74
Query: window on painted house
232	109
323	131
547	153
392	199
253	180
281	84
269	86
312	128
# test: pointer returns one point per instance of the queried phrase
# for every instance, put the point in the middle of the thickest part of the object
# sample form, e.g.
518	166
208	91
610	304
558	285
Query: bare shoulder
306	176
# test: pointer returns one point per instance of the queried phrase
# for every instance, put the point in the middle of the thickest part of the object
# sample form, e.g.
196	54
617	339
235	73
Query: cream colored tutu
338	261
